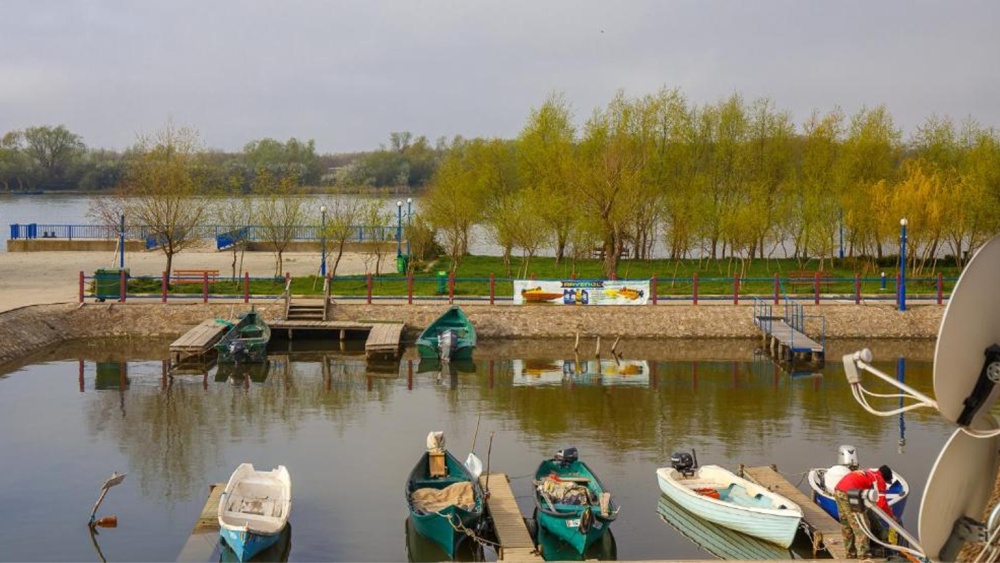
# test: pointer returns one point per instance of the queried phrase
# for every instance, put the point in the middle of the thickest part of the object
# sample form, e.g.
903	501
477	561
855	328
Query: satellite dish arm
859	360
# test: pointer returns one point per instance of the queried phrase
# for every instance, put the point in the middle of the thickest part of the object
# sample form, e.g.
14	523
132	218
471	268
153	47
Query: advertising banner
586	372
581	292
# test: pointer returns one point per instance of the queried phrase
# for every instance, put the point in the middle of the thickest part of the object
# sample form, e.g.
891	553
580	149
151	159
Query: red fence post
368	284
122	286
777	286
736	289
204	287
246	287
695	288
163	287
653	289
81	286
451	287
940	285
409	288
816	286
857	289
492	287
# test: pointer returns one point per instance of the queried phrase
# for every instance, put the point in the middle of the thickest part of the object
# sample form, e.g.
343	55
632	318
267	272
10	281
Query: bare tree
281	213
342	220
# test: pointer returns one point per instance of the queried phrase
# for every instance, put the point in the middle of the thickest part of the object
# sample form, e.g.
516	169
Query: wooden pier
512	533
383	338
197	342
823	528
786	343
205	535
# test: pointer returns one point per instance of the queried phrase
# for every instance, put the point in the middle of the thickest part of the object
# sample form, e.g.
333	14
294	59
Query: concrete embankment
31	329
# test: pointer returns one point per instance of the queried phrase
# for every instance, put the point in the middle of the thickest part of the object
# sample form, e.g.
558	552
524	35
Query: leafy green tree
280	214
452	204
546	163
56	153
15	167
159	190
815	201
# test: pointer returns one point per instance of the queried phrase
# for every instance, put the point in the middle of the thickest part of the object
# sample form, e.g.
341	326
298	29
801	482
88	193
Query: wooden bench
194	276
599	253
806	277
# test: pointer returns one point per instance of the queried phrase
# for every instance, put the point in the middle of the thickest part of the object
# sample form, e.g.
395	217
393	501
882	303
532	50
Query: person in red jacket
850	525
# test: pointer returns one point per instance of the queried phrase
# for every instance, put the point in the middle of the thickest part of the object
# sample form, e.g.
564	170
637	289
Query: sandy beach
31	278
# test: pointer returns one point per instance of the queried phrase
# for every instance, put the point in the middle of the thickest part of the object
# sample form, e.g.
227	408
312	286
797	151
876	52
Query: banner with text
581	292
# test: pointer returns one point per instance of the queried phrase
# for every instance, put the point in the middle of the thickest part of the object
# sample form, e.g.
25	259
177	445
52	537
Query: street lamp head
322	209
409	200
399	203
903	221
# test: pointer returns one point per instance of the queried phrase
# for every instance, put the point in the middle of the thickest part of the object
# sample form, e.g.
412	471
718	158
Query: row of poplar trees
727	179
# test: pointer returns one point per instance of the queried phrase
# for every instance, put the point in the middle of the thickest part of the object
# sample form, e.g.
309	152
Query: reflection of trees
690	402
173	430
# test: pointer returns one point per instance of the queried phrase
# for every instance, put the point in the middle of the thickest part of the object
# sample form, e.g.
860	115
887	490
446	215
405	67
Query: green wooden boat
571	502
429	499
246	341
450	337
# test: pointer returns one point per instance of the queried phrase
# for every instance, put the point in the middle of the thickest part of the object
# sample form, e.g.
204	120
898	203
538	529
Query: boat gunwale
668	474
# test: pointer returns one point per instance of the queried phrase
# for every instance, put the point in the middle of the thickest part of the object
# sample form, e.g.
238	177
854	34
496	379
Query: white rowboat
719	496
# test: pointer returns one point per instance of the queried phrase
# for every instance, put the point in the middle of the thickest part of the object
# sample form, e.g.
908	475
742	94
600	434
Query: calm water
350	436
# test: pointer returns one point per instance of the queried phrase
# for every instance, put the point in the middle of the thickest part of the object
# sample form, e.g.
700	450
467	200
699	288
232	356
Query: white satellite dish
960	484
971	324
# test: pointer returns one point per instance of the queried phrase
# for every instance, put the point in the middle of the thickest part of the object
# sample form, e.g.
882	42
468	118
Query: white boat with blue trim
720	496
254	509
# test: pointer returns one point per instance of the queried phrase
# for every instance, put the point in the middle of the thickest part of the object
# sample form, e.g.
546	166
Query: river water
350	435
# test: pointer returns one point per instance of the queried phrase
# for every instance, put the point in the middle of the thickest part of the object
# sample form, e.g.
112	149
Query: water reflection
715	539
348	432
555	549
277	553
420	548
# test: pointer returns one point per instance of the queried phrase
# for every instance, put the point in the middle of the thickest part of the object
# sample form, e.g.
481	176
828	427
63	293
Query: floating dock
197	342
511	531
383	338
787	343
822	527
205	534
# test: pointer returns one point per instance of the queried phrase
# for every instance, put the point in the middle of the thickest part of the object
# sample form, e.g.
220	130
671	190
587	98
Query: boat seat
436	482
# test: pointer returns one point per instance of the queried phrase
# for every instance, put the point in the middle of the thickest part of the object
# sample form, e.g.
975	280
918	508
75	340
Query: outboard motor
567	456
447	341
848	457
683	462
238	351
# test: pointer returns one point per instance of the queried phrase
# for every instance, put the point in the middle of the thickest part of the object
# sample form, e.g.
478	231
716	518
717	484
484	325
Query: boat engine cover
567	456
682	461
447	341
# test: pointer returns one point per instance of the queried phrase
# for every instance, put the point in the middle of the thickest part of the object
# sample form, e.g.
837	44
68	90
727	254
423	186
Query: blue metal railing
22	231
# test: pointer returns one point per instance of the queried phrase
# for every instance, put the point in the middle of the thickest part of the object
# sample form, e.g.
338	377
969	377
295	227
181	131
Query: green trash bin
402	261
107	283
442	282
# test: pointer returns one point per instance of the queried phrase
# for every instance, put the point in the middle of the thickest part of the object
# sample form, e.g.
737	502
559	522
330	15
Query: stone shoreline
30	329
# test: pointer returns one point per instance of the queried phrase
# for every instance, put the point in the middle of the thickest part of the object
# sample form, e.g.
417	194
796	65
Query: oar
473	463
489	452
107	521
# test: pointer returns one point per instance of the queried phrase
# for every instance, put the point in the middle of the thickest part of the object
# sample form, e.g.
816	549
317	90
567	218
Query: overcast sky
348	73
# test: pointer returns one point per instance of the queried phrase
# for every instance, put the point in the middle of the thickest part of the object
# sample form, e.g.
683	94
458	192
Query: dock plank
198	341
792	338
814	516
384	340
205	534
512	533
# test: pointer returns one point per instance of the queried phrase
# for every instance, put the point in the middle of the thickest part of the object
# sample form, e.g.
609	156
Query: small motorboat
571	502
443	497
823	480
450	337
245	341
720	496
254	508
